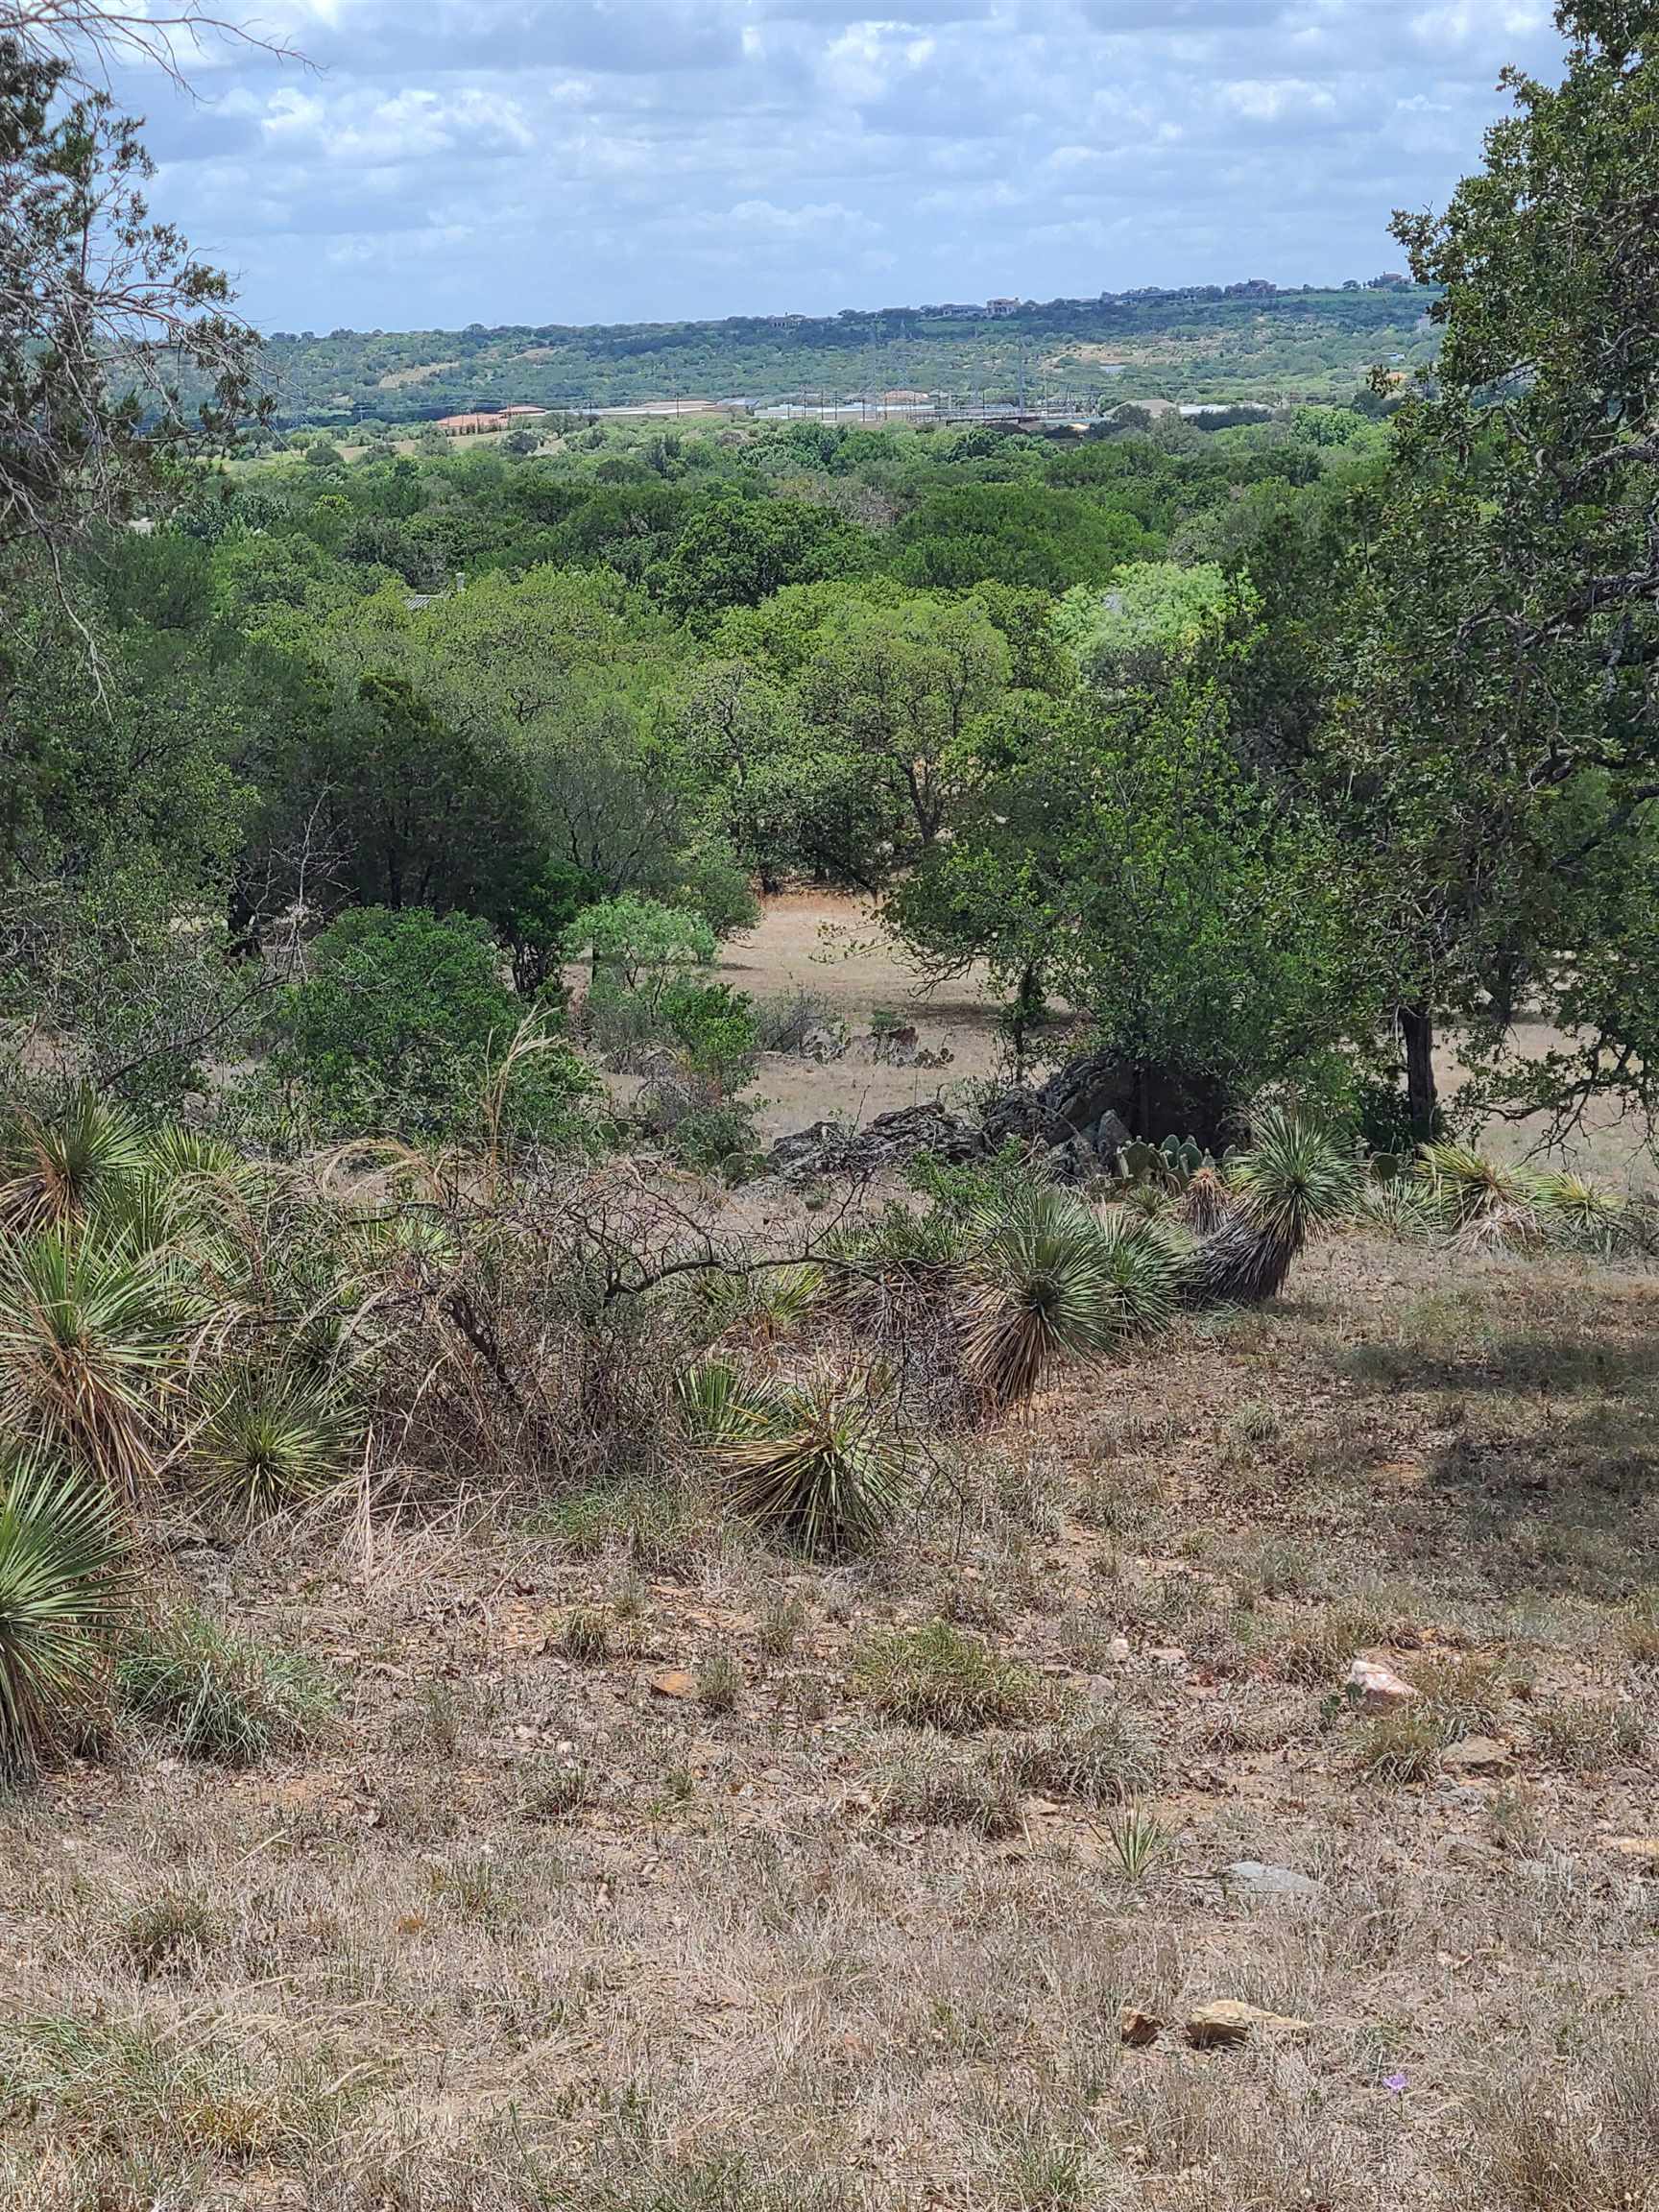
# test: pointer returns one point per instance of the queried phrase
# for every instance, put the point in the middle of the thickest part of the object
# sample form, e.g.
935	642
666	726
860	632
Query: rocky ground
1049	1859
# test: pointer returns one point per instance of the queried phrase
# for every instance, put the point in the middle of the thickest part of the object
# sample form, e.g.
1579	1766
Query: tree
396	1027
423	816
102	308
888	700
1497	734
1119	861
739	551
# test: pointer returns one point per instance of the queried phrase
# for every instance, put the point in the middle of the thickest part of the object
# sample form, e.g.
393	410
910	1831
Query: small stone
1476	1755
1138	2029
1376	1687
1229	2020
1254	1879
676	1683
1645	1849
1119	1648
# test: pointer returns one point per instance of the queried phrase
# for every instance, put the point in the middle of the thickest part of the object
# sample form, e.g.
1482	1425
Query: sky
432	163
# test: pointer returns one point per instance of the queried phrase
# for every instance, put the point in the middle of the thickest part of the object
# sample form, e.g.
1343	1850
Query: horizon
607	163
855	309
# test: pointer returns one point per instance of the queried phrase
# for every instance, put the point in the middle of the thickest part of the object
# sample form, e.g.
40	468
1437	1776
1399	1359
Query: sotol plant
83	1351
1293	1183
272	1439
1052	1282
818	1460
55	1171
62	1576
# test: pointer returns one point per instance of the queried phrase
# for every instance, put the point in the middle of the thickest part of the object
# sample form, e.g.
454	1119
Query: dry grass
814	1886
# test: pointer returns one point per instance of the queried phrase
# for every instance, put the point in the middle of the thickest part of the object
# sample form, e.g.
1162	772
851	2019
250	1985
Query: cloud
528	160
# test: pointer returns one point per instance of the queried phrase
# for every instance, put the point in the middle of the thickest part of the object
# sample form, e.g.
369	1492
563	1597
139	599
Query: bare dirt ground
829	945
611	1884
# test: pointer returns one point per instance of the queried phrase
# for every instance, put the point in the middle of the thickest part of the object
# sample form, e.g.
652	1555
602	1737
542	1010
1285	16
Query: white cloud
614	159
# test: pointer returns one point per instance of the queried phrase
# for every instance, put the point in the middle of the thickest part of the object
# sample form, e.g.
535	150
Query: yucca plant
62	1582
1051	1282
818	1461
181	1155
1293	1182
56	1169
1484	1199
273	1438
712	1402
85	1351
1578	1211
1405	1206
1144	1261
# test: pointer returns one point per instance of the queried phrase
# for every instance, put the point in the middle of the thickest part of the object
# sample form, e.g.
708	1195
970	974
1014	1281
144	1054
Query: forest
1090	1641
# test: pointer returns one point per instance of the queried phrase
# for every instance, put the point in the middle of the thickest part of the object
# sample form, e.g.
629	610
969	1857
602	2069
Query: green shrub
399	1022
639	947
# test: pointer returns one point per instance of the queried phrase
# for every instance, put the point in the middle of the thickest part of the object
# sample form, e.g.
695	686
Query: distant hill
1246	342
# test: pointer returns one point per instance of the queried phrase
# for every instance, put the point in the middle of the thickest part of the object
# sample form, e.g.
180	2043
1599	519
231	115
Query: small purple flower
1395	2083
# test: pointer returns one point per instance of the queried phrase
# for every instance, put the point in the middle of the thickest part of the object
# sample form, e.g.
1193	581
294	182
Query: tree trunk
1417	1035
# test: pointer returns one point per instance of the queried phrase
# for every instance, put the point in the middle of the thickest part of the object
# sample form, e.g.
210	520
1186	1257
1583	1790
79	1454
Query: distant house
1003	306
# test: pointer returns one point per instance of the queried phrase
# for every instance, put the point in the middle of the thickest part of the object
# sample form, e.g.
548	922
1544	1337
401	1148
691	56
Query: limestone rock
1476	1755
1229	2020
1251	1878
1376	1687
1138	2029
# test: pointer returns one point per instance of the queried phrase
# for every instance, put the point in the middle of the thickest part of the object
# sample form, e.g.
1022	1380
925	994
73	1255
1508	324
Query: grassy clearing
825	1882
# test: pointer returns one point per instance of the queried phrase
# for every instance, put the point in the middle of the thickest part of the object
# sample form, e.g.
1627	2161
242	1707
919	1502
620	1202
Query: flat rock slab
1228	2020
676	1683
1476	1755
1251	1878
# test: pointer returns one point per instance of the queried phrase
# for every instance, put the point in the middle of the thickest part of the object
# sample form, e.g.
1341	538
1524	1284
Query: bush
398	1025
638	947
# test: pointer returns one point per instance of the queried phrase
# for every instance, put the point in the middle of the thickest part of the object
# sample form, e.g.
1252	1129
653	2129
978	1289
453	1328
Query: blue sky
613	160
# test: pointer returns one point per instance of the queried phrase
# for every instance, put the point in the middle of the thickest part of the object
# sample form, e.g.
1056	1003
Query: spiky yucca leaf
181	1155
1293	1183
781	1298
273	1439
1485	1200
711	1401
84	1352
817	1461
61	1569
1144	1261
1051	1282
1403	1206
56	1168
414	1237
1580	1212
